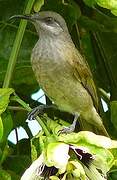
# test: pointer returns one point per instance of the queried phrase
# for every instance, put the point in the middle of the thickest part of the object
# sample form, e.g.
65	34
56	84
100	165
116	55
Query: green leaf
103	160
90	2
23	147
1	129
4	175
109	4
54	126
114	152
38	4
7	124
4	98
6	151
113	106
88	49
114	11
37	145
17	163
105	3
90	138
13	175
113	175
54	178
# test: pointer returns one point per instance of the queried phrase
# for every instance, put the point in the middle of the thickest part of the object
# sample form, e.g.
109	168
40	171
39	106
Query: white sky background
33	125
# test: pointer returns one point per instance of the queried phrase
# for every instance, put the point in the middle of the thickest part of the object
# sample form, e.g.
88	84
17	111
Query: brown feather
82	72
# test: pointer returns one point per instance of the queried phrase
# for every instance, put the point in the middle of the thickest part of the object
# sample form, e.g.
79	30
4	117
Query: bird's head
47	22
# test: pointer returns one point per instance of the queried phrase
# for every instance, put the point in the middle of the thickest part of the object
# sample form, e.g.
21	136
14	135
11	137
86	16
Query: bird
62	72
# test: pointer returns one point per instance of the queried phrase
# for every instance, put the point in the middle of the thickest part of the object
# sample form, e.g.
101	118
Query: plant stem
26	106
28	131
105	96
16	46
16	108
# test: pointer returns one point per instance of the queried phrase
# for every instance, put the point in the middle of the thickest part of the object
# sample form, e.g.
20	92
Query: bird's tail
93	122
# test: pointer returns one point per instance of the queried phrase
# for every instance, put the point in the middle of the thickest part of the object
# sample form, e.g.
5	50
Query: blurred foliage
109	4
93	27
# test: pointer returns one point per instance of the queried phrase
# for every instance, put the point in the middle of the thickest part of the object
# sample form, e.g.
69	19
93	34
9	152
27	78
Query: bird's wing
83	74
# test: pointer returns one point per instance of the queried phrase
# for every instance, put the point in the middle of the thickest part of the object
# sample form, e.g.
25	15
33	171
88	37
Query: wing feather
82	72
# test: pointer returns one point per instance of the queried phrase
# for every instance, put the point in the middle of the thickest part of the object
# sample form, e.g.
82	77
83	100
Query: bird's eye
49	20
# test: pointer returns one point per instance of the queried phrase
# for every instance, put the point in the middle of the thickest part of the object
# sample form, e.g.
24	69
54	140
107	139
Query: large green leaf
4	98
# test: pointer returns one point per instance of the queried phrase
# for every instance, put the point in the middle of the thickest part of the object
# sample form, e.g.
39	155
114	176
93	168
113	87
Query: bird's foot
39	110
71	128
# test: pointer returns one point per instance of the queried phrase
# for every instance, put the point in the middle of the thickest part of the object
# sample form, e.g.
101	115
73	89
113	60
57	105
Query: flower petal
57	155
34	170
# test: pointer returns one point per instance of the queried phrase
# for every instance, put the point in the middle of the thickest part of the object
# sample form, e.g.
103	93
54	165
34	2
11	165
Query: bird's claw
70	129
39	110
66	130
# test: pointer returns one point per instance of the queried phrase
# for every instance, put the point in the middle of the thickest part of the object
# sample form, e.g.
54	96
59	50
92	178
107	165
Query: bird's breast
51	58
52	67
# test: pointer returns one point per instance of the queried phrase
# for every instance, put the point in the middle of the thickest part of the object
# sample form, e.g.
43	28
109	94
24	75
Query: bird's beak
27	17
